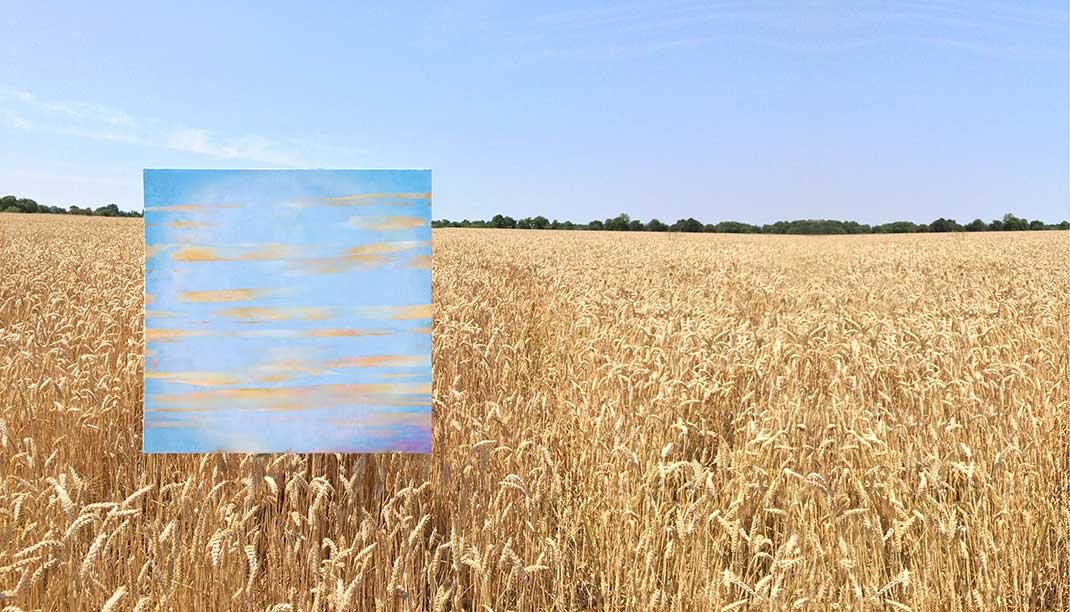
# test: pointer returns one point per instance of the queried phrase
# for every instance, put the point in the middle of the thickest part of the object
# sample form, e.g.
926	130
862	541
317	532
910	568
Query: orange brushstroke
277	314
420	262
388	199
177	409
388	247
369	255
406	401
149	298
161	314
270	378
196	253
387	419
334	265
191	207
181	224
226	295
380	361
182	423
200	379
165	335
308	333
336	333
205	253
370	196
343	393
153	249
397	313
386	223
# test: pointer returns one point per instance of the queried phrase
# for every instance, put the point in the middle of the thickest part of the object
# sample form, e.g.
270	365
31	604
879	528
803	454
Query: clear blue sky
717	110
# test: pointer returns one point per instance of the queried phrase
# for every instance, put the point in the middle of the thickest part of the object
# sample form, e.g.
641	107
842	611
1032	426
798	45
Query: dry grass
622	422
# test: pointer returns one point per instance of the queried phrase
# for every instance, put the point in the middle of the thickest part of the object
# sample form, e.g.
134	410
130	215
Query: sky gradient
287	310
743	111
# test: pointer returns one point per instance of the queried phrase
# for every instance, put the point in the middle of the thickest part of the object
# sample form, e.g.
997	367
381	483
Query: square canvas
287	310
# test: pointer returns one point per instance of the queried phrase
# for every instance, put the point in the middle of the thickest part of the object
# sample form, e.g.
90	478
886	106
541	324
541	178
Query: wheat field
621	422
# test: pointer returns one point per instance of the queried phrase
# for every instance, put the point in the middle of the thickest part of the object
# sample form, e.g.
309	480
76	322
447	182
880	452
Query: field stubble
621	422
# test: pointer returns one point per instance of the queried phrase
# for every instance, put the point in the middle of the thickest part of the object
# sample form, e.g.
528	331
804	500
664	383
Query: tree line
624	223
10	203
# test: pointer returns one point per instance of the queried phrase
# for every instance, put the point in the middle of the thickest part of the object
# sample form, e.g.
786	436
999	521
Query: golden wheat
621	422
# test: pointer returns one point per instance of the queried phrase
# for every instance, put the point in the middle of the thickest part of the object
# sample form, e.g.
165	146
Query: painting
287	310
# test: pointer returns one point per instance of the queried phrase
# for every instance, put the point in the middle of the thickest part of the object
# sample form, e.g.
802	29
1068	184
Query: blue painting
287	310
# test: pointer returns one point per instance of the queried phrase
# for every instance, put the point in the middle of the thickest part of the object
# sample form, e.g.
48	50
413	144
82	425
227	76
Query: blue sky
287	310
718	110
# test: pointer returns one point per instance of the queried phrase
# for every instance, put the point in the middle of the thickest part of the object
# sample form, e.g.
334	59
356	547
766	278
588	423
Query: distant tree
1014	224
656	226
620	223
898	227
1063	225
814	227
623	222
734	227
687	225
26	205
945	225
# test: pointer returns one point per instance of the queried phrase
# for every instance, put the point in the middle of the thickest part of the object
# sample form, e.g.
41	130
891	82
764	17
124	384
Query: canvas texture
287	310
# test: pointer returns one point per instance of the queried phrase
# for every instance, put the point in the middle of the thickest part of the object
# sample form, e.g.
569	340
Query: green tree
898	227
1014	224
620	223
976	225
687	225
944	225
656	226
735	227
